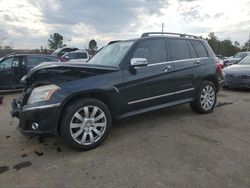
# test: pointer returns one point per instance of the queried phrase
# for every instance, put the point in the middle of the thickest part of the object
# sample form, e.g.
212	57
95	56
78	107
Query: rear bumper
45	116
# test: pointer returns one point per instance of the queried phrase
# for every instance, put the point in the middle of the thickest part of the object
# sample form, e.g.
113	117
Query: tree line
225	47
56	41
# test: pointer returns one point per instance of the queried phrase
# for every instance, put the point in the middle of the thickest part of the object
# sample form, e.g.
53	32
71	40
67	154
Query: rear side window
82	55
200	49
192	50
153	50
48	59
179	49
33	61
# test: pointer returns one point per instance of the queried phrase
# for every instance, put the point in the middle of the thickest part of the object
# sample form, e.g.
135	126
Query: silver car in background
236	58
238	75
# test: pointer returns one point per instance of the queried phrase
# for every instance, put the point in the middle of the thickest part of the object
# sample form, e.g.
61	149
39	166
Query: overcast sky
28	23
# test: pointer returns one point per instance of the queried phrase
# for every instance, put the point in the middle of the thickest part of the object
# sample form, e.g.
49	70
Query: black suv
14	66
125	78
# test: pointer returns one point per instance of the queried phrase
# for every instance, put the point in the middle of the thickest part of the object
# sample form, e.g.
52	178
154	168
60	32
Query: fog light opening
34	126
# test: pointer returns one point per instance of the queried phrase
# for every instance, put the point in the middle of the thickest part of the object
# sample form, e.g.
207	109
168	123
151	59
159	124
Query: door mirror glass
138	62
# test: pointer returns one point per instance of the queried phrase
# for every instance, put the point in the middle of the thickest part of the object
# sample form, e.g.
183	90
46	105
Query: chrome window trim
159	96
41	107
181	60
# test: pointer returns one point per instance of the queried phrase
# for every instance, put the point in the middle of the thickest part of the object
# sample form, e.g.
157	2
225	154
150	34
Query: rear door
153	84
184	59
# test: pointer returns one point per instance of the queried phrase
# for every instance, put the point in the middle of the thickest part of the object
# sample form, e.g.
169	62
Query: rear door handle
197	62
167	68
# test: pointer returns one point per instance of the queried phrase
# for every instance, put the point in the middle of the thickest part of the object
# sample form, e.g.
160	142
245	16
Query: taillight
219	67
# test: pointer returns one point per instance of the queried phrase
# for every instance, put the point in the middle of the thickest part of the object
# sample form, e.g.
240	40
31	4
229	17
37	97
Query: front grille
237	76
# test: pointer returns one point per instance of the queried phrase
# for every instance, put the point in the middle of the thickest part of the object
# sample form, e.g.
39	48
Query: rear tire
85	123
205	99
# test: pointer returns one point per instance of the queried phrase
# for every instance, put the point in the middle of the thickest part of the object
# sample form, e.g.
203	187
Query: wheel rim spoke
77	133
99	117
75	125
84	136
100	124
79	116
97	132
86	112
91	137
94	112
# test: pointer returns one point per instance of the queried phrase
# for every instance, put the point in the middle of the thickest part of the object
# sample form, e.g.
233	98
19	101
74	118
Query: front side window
7	63
153	50
179	49
112	54
200	49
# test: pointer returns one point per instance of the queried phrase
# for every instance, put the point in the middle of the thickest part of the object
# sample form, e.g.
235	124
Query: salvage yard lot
170	148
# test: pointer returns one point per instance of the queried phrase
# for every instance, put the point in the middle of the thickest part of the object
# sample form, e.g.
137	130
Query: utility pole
162	28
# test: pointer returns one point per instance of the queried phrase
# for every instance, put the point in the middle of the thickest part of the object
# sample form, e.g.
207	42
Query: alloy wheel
207	98
88	125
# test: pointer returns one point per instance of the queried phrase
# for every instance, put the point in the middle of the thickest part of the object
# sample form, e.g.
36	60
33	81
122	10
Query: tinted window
71	56
48	59
200	49
82	55
153	50
6	64
192	50
179	49
33	61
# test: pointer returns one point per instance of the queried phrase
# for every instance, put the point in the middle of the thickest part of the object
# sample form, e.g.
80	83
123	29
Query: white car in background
75	56
236	58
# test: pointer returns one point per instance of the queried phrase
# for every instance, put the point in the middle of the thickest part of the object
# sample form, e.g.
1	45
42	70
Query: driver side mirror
138	62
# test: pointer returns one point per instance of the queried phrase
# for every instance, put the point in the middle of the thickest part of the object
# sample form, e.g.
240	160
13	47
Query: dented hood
58	72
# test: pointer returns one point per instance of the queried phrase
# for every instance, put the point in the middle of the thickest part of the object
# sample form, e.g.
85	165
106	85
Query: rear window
179	49
200	49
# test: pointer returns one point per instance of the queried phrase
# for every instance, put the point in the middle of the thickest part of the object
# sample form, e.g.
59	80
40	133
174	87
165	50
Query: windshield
56	51
245	61
240	55
112	54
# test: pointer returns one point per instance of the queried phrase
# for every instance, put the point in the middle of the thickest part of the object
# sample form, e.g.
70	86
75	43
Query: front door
7	75
150	85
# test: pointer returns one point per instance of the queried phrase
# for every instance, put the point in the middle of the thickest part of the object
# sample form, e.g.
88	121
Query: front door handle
167	68
197	62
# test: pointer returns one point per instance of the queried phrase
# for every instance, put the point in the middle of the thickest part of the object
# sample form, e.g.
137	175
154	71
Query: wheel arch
97	94
213	79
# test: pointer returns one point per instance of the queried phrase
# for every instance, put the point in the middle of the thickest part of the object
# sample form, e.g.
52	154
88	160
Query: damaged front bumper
42	119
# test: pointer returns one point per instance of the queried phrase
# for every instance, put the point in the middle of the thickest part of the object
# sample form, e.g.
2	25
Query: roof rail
114	41
167	33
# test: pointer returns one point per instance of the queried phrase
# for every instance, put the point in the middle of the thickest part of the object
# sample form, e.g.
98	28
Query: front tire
86	123
205	99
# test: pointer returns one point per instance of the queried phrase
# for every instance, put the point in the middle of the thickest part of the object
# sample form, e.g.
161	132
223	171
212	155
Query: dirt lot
169	148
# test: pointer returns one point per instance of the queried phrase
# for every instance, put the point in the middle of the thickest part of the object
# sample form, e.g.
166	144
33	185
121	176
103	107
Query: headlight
42	93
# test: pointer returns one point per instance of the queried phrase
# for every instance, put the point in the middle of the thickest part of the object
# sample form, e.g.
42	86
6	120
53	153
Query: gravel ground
170	148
